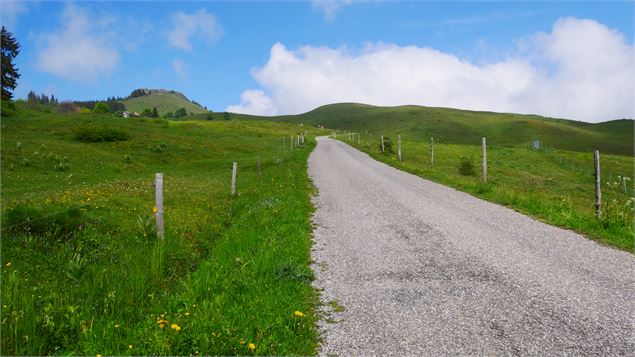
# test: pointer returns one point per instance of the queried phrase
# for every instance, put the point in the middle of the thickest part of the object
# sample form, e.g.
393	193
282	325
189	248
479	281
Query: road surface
422	269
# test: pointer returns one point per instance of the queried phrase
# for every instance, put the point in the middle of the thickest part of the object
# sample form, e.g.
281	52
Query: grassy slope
231	271
529	181
467	127
165	102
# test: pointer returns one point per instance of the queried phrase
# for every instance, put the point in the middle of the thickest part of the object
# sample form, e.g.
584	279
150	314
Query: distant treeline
113	104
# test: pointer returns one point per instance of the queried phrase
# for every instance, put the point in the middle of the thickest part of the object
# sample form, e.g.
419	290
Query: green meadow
83	272
541	184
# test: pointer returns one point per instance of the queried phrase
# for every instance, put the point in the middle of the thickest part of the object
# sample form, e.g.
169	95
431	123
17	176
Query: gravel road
423	269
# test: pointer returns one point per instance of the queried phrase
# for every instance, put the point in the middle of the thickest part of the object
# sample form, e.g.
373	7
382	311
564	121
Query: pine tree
32	97
10	75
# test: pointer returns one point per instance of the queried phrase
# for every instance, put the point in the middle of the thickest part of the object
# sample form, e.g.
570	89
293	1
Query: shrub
466	168
387	146
95	134
101	107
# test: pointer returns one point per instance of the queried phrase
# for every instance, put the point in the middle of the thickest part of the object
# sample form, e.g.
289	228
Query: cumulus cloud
80	50
254	102
580	70
185	26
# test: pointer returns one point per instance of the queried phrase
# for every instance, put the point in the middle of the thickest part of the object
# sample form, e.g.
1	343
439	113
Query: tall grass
101	285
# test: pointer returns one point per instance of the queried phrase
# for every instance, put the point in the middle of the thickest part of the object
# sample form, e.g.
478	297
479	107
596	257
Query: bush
57	222
101	107
387	146
94	134
466	168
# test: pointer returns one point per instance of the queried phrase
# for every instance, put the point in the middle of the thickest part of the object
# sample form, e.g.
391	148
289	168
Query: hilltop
467	127
165	101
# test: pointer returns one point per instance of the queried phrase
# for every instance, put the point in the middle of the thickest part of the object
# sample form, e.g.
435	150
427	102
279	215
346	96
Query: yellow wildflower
298	313
8	264
155	210
116	325
252	347
98	355
176	327
161	325
242	342
129	347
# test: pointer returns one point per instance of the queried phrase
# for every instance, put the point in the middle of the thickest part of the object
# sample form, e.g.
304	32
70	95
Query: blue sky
288	57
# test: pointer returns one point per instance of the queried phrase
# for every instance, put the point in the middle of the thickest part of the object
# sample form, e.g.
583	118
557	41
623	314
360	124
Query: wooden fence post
431	151
598	193
158	201
399	146
484	142
382	143
234	169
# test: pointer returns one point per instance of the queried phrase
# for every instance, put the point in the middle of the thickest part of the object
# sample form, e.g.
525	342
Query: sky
560	59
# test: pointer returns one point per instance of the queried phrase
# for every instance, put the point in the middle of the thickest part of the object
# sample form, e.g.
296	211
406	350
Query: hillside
165	101
467	127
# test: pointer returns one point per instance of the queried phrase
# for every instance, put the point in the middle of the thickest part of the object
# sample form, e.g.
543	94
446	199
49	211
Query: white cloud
253	102
10	10
580	70
81	50
329	7
181	69
186	26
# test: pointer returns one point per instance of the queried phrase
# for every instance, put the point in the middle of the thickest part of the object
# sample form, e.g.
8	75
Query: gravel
423	269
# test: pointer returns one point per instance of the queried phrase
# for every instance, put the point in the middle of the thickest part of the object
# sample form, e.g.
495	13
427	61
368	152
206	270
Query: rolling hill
467	127
165	100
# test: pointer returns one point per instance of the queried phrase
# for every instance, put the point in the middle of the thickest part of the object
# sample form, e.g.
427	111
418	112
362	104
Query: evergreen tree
10	75
31	97
155	112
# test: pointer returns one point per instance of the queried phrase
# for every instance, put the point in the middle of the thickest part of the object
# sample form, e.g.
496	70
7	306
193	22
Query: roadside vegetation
82	270
526	180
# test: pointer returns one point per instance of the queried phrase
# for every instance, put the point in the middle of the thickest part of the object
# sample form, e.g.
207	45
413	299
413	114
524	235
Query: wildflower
298	313
116	325
155	210
98	355
8	264
176	327
252	347
161	325
129	347
242	342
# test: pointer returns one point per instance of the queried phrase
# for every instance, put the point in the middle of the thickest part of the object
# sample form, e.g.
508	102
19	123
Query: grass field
164	102
82	271
454	126
526	180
